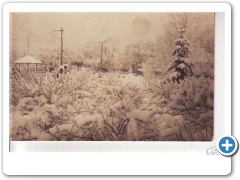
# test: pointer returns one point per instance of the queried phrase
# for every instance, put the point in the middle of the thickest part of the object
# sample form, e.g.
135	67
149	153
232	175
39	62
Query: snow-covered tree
181	65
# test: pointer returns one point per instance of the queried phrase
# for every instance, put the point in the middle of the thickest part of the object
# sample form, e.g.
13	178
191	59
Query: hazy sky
80	28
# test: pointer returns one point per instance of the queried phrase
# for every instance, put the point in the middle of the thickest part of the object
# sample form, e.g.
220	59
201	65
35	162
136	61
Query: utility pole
28	45
61	30
101	51
41	53
61	44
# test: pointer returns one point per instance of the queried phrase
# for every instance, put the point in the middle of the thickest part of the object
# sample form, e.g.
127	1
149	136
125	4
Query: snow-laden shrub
29	122
177	128
205	68
26	84
194	99
50	87
193	93
62	87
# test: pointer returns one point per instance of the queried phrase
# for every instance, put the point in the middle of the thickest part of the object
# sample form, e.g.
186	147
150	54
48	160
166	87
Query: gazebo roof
27	60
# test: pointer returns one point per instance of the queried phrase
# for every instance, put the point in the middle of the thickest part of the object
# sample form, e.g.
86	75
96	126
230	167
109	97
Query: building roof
27	60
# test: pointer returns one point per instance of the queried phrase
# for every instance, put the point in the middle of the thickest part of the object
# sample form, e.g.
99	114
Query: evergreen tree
181	66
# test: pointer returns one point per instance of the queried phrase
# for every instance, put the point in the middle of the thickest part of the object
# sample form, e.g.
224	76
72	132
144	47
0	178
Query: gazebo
27	60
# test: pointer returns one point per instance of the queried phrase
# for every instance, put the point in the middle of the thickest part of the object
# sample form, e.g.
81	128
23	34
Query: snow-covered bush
177	128
194	99
29	120
25	84
193	93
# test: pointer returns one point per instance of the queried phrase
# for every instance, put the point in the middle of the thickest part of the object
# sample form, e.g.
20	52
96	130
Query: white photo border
113	158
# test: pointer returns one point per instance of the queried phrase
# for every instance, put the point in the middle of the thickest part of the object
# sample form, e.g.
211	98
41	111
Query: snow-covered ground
133	79
87	105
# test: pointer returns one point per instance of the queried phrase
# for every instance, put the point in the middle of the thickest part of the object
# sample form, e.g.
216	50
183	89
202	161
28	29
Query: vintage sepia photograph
111	76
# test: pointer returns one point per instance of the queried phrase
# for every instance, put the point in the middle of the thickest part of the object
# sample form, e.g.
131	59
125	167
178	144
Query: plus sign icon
227	145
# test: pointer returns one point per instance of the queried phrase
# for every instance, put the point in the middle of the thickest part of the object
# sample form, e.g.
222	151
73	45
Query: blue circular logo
227	145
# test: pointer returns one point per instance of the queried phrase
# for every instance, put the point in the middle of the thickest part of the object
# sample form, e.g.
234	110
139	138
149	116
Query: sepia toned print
111	76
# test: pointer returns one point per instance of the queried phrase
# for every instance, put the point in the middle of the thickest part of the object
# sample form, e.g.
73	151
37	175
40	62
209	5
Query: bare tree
89	50
206	39
110	49
187	21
